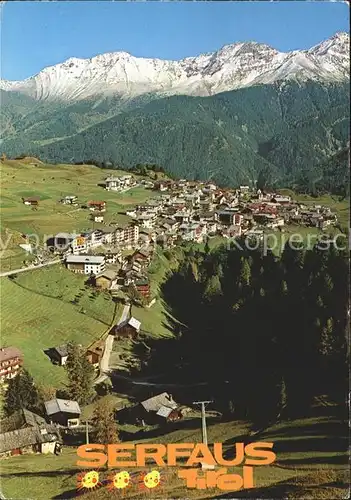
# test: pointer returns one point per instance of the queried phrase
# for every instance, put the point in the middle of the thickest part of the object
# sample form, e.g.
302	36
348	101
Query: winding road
108	348
30	268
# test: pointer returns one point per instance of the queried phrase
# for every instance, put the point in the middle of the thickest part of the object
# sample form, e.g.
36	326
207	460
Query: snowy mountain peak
233	66
342	36
73	60
340	41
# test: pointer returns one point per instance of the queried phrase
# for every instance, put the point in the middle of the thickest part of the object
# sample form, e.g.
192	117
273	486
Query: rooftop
27	437
112	179
134	323
61	405
110	275
164	411
142	282
85	259
7	353
21	418
157	402
62	350
143	252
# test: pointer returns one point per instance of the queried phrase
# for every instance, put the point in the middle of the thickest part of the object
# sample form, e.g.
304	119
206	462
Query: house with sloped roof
156	402
142	255
159	409
97	206
25	432
127	328
106	280
59	354
95	353
86	264
63	412
21	419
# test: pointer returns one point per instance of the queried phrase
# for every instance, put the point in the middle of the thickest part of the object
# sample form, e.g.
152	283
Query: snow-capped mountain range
233	66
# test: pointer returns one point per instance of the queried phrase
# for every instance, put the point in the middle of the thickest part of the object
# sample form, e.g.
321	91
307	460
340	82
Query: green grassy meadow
50	183
50	306
37	313
154	320
59	283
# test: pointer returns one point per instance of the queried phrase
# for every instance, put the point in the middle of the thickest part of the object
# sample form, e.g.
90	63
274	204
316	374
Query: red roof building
99	206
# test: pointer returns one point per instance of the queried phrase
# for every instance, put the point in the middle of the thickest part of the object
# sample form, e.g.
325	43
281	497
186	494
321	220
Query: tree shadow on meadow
183	425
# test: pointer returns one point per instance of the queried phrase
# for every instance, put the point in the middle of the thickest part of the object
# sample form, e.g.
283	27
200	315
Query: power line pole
86	432
203	418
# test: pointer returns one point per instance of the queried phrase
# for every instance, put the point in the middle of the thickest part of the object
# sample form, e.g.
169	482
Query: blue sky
39	34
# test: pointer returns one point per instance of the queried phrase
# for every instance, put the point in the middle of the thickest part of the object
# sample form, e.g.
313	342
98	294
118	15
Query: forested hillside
285	134
264	334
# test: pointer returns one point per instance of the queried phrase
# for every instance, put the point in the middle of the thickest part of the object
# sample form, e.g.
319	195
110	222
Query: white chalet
86	264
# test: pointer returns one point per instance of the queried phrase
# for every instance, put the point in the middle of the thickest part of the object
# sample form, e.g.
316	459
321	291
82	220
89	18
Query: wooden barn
25	432
95	353
129	328
63	412
159	409
106	280
59	354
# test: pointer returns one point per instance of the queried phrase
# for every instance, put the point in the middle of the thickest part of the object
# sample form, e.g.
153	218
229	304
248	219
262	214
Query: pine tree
317	323
106	431
2	402
207	246
319	302
219	271
327	340
328	283
194	270
213	288
245	273
80	375
282	397
21	393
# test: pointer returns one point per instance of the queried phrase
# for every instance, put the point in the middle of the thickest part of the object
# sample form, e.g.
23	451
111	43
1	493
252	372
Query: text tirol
136	455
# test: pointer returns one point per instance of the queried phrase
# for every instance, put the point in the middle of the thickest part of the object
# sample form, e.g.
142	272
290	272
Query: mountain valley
245	113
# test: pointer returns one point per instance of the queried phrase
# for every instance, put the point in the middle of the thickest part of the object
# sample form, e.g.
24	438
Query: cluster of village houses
181	211
191	211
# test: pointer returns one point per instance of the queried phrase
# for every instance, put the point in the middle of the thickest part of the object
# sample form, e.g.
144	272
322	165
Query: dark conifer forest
263	334
287	134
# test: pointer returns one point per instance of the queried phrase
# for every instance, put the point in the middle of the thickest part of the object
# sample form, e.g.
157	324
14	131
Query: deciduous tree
106	431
